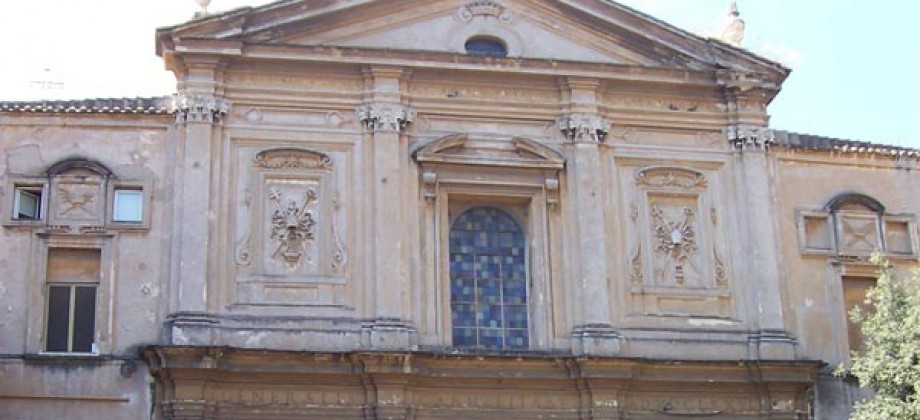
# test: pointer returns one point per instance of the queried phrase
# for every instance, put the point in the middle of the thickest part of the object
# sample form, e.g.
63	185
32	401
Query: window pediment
463	149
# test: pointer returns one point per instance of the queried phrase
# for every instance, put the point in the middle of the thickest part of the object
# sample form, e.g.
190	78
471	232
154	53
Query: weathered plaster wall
112	384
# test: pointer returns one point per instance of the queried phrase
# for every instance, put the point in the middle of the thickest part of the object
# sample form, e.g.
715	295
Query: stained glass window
488	281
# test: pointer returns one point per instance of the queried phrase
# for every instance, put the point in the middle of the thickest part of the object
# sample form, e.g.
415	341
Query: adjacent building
445	209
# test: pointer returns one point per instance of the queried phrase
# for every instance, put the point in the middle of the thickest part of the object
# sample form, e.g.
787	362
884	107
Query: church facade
445	209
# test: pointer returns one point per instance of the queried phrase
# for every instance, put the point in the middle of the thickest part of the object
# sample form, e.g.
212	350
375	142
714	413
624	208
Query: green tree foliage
890	360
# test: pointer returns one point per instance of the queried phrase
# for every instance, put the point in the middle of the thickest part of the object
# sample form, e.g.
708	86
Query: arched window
486	46
488	281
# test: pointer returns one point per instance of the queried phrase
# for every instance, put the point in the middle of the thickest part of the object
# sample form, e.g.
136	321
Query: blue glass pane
491	338
489	292
464	337
515	292
462	290
517	340
489	316
516	316
463	315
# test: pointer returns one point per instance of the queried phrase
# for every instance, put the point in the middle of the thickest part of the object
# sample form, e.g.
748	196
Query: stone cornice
452	61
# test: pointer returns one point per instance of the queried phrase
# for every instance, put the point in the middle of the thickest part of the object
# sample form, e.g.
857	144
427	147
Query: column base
191	328
772	345
596	340
389	334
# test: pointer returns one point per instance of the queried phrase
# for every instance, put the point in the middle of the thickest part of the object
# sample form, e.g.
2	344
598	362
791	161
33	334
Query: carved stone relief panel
677	263
291	244
77	200
857	232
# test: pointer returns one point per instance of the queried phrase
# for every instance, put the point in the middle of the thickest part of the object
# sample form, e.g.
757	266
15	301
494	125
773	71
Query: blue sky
856	66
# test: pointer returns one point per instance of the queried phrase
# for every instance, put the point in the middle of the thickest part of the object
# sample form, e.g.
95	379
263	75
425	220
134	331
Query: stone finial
733	33
392	118
584	127
203	4
747	137
199	108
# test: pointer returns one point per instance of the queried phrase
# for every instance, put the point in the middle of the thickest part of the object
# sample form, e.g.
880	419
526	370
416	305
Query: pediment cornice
464	149
640	39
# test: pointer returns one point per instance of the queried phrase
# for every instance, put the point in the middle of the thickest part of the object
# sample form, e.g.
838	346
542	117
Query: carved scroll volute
552	192
430	187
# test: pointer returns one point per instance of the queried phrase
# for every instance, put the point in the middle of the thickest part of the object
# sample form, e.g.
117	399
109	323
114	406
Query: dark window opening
486	46
71	318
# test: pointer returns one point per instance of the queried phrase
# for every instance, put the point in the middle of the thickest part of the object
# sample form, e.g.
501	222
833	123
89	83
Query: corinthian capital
199	108
748	137
386	118
584	127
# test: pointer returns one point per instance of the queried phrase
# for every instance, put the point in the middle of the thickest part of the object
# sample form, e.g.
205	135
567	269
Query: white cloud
787	55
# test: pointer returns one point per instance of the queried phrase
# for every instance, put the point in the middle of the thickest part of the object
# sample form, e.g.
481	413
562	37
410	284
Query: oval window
486	46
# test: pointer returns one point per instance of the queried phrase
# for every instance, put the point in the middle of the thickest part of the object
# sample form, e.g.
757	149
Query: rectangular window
72	283
27	203
128	206
71	318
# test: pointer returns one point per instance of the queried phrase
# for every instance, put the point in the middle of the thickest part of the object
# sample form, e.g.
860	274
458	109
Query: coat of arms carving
293	225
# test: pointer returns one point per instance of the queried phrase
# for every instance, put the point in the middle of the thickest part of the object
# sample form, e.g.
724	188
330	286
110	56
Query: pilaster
385	120
584	129
751	145
200	110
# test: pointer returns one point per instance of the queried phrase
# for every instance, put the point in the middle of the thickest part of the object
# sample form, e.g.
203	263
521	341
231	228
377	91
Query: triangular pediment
464	149
591	31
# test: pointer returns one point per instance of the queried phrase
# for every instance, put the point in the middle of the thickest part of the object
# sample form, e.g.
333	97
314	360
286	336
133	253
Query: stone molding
578	127
386	118
747	137
199	108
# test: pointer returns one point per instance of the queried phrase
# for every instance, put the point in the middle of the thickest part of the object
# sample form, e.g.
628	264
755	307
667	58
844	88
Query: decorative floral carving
635	275
670	177
339	253
485	8
244	252
746	137
386	118
199	108
292	225
584	127
721	274
676	239
294	159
